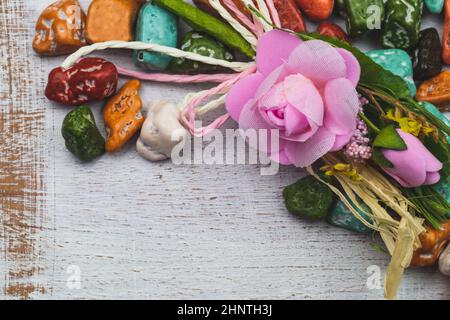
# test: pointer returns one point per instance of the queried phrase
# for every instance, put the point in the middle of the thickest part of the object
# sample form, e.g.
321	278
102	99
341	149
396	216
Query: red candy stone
332	30
90	79
290	17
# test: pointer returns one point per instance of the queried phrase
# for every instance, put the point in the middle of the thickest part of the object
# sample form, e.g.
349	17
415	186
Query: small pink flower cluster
359	148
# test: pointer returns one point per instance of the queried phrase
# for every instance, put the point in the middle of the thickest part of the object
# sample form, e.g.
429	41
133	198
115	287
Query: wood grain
125	228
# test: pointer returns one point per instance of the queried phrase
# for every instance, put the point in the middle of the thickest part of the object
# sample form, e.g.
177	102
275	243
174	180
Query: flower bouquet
377	158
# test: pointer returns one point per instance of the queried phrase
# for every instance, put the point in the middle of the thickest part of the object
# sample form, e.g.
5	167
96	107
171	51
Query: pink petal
341	141
301	93
432	178
303	154
341	106
352	64
295	121
318	61
269	82
274	48
409	168
241	93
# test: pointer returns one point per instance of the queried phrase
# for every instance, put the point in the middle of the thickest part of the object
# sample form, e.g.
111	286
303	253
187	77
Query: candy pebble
290	16
60	29
433	244
436	90
81	134
398	62
316	10
122	115
434	6
402	24
332	30
444	262
161	132
197	42
342	217
109	20
427	56
88	80
363	16
446	34
158	26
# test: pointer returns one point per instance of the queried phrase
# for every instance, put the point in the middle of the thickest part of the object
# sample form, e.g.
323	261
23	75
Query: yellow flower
409	124
342	169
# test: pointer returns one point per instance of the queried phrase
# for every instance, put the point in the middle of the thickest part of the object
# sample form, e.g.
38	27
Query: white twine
136	45
245	33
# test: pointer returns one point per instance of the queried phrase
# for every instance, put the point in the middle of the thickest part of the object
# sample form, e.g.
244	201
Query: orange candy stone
112	20
316	10
122	115
433	243
435	90
60	29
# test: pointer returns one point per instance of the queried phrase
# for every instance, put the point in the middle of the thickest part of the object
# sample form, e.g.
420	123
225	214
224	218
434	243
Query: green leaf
388	138
372	74
379	158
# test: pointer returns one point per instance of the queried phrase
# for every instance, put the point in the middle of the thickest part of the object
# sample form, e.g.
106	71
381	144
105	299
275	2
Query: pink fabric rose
306	90
415	166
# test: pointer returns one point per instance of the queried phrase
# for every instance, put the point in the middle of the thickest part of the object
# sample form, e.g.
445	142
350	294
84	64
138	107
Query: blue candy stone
343	218
434	6
398	62
159	26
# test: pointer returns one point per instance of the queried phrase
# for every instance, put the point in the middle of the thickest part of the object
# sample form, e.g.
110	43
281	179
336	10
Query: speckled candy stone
202	44
434	6
398	62
159	26
341	217
443	188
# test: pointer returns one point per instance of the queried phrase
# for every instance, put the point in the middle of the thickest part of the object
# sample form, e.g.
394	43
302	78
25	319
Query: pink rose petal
341	106
301	93
241	93
318	61
274	48
352	64
432	178
306	153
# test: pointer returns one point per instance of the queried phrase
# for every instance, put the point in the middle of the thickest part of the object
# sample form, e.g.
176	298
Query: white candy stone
161	132
444	261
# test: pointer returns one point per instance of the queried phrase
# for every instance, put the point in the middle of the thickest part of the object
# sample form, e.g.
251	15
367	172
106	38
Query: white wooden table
124	228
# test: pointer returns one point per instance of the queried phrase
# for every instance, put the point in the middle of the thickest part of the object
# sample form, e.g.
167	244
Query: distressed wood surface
124	228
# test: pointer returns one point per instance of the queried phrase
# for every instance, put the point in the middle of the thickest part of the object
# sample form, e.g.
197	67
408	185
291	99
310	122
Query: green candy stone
81	134
402	24
360	17
158	26
435	6
308	198
202	44
342	217
398	62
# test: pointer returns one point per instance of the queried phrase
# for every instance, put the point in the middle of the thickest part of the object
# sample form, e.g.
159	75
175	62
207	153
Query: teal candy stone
341	217
434	6
398	62
438	114
443	188
159	26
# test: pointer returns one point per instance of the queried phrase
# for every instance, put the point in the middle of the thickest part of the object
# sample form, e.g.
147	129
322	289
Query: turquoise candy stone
398	62
438	114
434	6
443	188
341	217
159	26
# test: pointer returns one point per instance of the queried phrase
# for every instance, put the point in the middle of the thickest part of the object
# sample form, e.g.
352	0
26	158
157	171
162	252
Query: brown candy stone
112	20
316	10
60	29
436	90
433	243
123	116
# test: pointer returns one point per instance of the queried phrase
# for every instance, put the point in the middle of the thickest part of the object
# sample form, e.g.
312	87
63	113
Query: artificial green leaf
388	138
379	158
